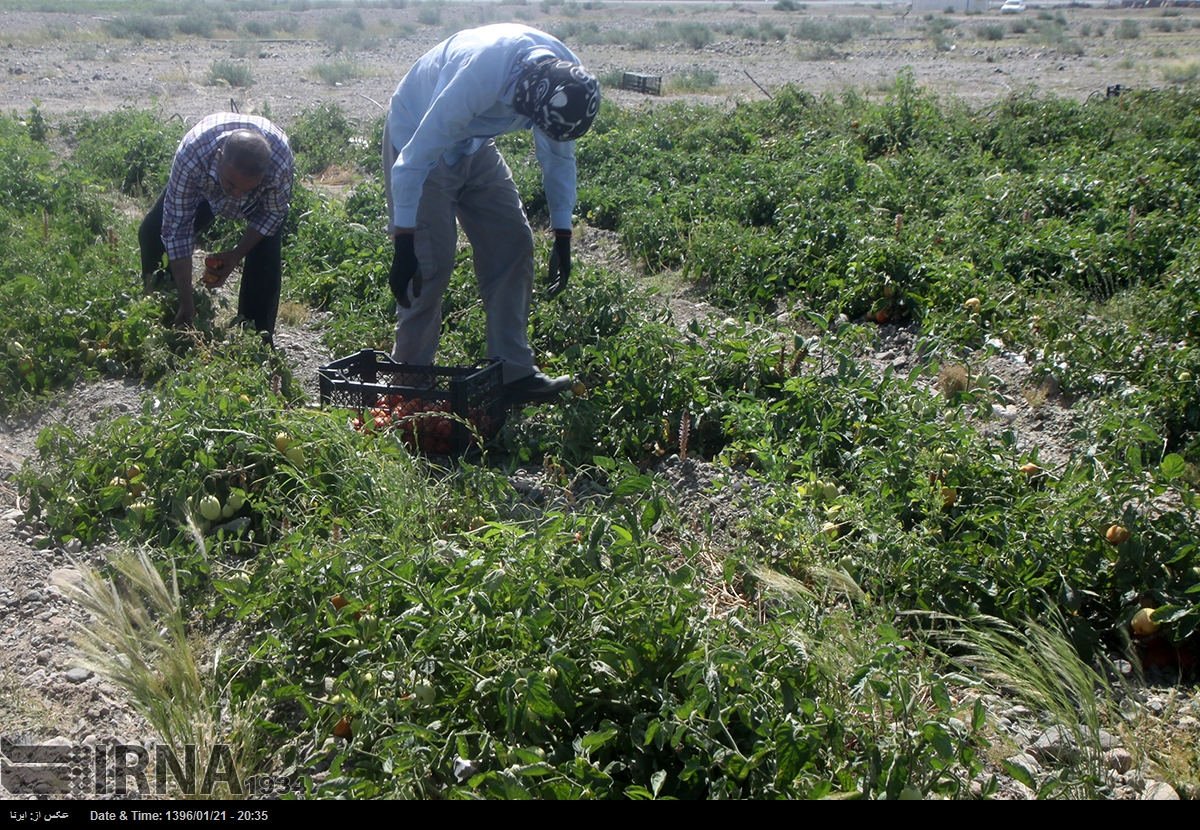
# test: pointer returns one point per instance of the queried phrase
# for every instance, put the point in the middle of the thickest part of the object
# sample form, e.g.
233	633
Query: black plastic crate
646	84
415	400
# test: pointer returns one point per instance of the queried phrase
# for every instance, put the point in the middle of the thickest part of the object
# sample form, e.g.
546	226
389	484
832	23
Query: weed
344	32
258	28
293	314
612	79
127	149
819	52
695	79
1128	29
231	73
138	640
289	23
138	27
1040	665
953	380
695	35
429	14
834	31
321	137
199	23
992	31
337	73
1181	73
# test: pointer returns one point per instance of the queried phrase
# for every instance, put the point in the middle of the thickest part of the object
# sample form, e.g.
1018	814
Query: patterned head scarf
560	97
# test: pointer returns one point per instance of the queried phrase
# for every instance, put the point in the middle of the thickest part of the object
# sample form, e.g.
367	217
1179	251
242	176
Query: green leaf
941	697
650	514
633	485
657	780
1170	613
937	735
1173	466
1018	772
595	740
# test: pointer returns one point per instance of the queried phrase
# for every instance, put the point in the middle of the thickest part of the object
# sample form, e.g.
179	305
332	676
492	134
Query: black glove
404	269
560	264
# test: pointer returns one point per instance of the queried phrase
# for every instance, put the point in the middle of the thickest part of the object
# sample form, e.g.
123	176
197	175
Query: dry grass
1039	666
293	314
138	640
953	379
24	711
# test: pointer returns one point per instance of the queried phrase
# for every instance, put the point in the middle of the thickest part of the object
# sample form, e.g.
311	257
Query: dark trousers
262	269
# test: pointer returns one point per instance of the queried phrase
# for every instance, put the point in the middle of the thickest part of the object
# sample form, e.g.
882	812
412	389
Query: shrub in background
230	72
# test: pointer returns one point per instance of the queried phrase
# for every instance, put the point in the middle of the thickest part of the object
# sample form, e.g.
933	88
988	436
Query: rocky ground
63	64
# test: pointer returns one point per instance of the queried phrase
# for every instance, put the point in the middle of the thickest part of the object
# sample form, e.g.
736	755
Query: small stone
73	546
1026	762
1159	791
1055	744
78	675
1004	413
1118	759
33	596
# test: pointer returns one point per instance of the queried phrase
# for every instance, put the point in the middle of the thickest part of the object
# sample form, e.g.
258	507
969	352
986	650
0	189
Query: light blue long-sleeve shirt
459	95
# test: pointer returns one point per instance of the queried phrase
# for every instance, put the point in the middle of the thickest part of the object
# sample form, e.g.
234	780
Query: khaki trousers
479	192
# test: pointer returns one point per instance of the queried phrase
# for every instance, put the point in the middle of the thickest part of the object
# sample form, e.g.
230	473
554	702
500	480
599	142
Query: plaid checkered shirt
194	178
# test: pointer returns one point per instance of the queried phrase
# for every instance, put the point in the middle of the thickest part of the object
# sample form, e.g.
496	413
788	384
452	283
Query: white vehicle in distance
1012	7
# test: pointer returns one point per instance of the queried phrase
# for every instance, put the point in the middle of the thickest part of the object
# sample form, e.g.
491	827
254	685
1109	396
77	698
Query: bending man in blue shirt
440	162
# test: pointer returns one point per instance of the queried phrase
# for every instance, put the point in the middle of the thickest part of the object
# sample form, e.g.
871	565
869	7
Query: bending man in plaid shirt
238	166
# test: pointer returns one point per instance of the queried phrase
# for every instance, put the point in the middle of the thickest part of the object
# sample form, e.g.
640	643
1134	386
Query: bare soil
66	63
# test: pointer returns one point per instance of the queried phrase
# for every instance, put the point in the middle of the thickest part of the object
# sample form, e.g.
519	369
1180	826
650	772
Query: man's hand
181	272
405	270
218	267
560	264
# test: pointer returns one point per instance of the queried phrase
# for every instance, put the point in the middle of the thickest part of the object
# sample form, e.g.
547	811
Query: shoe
537	388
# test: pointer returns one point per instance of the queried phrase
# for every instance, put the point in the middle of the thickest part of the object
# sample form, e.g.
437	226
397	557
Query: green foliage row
490	646
475	652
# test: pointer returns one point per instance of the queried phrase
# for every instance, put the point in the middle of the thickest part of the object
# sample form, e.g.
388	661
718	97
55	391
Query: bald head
248	153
